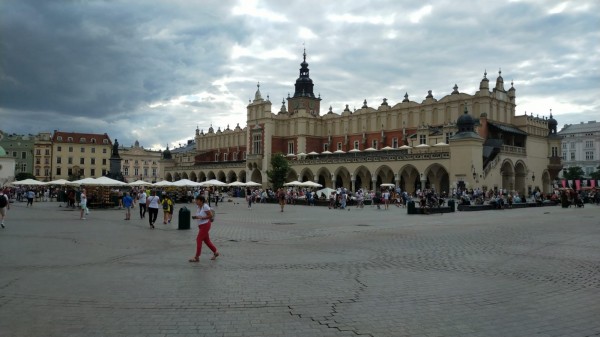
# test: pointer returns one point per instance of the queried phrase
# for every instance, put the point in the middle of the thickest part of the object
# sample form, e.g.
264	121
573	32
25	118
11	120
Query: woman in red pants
203	216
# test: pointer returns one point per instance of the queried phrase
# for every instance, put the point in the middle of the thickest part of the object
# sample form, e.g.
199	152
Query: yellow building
42	156
80	155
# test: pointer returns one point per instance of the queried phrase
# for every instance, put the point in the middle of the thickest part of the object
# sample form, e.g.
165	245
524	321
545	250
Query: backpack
3	200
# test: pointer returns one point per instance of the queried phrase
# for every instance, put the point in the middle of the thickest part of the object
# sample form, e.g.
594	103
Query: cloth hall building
458	141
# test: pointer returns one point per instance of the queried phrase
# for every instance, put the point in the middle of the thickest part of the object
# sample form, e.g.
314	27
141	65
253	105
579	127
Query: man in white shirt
142	203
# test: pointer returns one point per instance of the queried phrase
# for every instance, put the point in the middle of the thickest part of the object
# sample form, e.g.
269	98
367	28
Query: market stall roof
28	182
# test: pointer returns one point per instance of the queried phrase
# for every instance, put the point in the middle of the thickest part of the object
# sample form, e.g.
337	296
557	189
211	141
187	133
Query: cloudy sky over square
153	71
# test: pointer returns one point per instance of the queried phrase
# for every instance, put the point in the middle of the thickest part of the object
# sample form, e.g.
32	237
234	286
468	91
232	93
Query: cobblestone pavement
309	271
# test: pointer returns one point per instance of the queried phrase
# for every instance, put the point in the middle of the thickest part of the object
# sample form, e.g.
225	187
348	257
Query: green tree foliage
279	170
24	175
596	175
573	173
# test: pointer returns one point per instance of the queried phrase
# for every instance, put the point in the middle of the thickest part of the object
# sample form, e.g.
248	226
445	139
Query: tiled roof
79	138
580	128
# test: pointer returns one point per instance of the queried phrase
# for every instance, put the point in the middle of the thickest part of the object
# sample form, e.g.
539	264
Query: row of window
589	155
81	172
226	156
38	152
81	140
82	150
136	171
23	154
588	145
81	161
135	162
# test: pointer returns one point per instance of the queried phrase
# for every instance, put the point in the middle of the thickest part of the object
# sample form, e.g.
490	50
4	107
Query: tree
573	173
24	175
279	170
596	175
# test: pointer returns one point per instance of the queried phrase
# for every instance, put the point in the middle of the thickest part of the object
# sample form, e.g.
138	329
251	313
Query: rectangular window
374	144
564	145
37	172
38	152
256	144
554	151
216	157
47	161
225	156
339	145
37	162
572	155
70	171
103	161
93	161
395	142
572	146
154	171
136	171
291	147
70	149
82	149
126	170
59	148
448	136
235	154
589	144
589	155
58	160
104	151
58	171
564	156
15	154
356	145
23	155
23	167
47	152
70	160
93	150
325	147
93	172
145	171
46	172
422	139
81	161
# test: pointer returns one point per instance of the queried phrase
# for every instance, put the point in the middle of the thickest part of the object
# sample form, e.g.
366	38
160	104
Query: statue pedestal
115	166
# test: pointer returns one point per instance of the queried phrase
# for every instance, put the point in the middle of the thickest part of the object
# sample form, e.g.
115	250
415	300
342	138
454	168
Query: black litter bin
410	207
184	218
451	205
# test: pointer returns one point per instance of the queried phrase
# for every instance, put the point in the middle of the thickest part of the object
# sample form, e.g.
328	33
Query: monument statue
115	151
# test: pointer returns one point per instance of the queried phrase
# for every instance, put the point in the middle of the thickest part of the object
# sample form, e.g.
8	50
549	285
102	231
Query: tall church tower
304	99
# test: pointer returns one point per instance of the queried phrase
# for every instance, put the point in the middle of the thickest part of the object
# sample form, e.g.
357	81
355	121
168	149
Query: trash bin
410	206
184	218
451	205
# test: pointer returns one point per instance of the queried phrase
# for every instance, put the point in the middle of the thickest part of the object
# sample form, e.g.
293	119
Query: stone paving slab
308	271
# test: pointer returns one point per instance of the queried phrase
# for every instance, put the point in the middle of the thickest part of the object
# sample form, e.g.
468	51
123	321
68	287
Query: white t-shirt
153	201
83	201
202	212
142	198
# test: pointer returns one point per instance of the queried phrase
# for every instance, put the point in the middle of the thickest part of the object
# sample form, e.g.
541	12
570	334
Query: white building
7	167
581	146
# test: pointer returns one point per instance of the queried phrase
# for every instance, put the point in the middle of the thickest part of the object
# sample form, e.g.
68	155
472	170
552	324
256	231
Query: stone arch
211	175
384	175
342	178
177	176
546	182
184	175
168	177
193	176
231	176
520	175
291	176
508	174
202	176
307	175
409	178
242	176
362	179
256	176
437	177
221	176
324	177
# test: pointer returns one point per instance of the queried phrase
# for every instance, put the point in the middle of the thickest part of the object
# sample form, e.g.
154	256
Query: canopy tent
339	151
327	191
28	182
163	183
60	182
293	183
326	152
420	146
106	181
252	184
387	148
370	149
186	183
388	185
405	147
310	184
84	181
441	144
213	182
236	183
140	183
312	153
354	151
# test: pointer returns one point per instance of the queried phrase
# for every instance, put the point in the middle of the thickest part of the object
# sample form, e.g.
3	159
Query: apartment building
80	155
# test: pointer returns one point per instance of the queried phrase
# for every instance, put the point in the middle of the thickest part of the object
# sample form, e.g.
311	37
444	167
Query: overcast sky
154	70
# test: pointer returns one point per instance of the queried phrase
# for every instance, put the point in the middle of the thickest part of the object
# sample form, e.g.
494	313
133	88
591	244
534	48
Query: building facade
80	155
581	146
140	164
20	147
410	144
42	156
7	167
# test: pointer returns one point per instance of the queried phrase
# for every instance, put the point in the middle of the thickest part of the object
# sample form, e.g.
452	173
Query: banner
564	183
593	183
577	185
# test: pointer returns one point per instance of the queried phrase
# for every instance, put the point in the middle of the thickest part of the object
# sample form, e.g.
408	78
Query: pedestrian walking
127	204
152	203
281	197
4	207
83	205
203	219
167	205
30	196
142	203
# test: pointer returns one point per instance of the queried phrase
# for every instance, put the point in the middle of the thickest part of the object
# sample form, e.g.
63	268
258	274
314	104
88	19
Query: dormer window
93	140
69	139
105	141
82	140
59	138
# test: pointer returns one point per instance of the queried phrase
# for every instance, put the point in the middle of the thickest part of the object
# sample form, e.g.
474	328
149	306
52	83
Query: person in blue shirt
127	203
